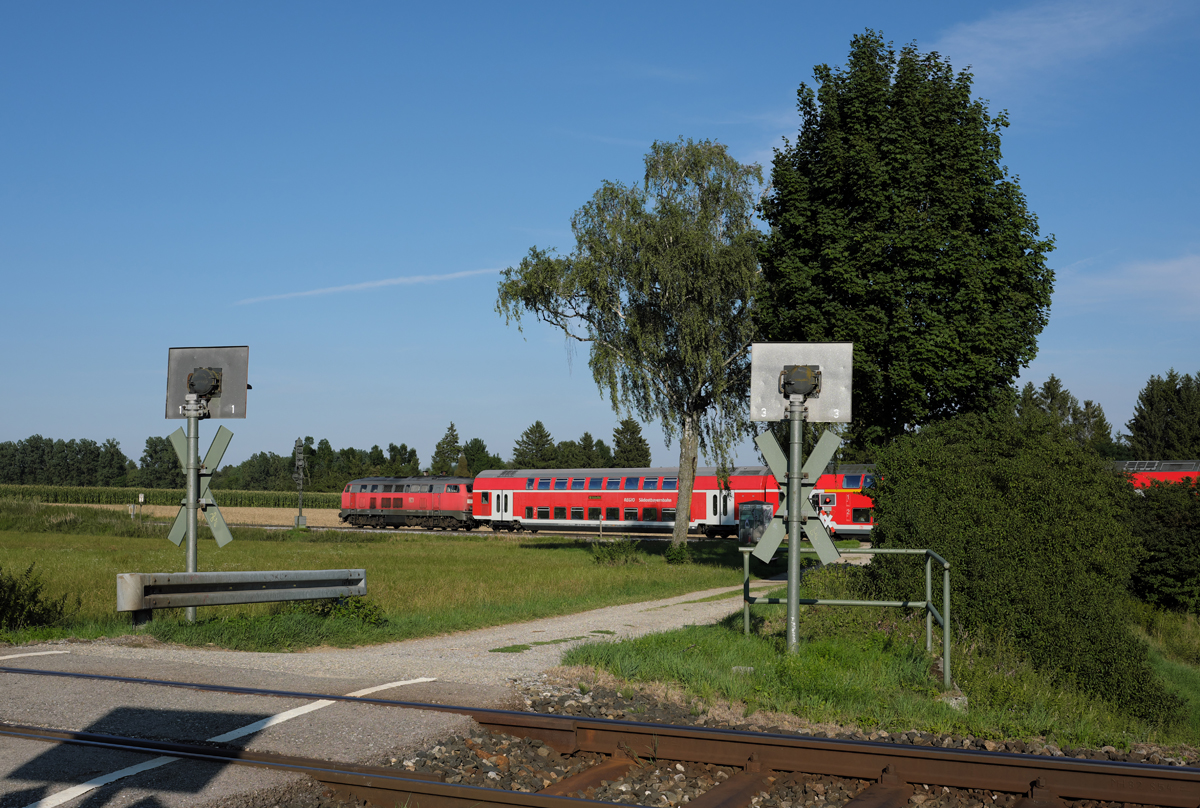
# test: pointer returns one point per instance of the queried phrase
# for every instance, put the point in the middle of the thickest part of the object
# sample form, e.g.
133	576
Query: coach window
595	483
543	483
543	513
529	483
670	483
631	515
612	514
668	514
560	483
593	514
529	513
614	484
484	497
852	481
725	505
649	514
560	513
631	483
577	514
714	504
651	484
578	483
860	516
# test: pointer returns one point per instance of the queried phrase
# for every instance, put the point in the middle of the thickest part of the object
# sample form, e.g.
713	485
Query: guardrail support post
946	680
928	600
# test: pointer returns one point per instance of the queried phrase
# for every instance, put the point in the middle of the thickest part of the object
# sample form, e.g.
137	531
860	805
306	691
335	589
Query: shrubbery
1166	517
22	604
1036	530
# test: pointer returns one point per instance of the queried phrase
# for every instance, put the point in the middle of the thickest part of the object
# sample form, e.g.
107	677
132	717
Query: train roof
430	479
1135	466
660	471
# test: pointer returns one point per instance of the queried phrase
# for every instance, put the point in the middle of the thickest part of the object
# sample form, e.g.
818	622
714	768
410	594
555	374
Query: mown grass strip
97	495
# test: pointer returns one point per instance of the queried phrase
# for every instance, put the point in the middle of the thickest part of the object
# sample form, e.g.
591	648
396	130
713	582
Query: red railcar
1142	472
436	502
640	500
842	498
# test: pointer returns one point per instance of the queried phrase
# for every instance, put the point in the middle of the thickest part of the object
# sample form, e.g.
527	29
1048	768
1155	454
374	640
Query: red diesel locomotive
434	502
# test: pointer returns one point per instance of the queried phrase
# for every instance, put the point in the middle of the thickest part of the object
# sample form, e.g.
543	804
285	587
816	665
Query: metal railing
942	618
142	592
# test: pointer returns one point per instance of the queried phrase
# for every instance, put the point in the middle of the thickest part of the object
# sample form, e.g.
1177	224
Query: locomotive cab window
852	481
631	483
451	489
484	497
614	484
439	489
868	481
347	491
860	516
651	484
374	489
670	483
595	483
578	483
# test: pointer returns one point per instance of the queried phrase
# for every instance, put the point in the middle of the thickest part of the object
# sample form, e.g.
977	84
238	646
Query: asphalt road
461	668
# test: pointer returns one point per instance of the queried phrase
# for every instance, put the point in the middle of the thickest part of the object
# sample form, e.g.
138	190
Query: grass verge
868	667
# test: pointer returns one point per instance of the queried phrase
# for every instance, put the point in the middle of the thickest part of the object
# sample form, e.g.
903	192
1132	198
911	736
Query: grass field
424	584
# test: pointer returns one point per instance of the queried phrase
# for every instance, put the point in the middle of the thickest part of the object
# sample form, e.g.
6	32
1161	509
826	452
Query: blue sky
337	186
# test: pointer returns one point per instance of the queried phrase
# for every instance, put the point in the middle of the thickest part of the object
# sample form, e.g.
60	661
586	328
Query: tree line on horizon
45	461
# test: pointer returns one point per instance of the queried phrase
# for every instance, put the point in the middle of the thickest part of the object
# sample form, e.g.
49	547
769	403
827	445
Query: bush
22	604
1167	520
1036	530
678	553
617	552
345	608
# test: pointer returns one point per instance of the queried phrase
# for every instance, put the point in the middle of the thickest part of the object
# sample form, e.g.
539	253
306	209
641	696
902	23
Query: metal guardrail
932	615
142	592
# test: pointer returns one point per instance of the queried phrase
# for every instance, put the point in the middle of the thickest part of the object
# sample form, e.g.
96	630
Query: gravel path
467	657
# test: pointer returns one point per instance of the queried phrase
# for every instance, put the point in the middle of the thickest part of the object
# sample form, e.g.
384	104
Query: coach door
503	506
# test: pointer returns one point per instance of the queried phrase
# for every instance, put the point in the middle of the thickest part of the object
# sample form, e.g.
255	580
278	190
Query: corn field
94	495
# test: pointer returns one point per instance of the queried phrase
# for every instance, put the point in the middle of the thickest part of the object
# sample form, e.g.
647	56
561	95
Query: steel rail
1038	776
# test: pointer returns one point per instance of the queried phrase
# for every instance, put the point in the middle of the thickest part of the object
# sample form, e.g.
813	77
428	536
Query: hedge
95	495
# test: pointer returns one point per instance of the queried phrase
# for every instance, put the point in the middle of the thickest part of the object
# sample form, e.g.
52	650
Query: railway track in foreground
611	760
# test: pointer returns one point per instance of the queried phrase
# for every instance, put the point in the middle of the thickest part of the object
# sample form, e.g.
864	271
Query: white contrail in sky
358	287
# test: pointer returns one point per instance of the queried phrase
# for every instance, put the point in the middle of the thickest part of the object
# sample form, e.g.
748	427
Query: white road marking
74	791
34	653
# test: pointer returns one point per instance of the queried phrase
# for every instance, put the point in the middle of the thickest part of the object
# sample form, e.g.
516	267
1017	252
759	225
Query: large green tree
535	449
446	453
660	285
894	225
1166	418
630	449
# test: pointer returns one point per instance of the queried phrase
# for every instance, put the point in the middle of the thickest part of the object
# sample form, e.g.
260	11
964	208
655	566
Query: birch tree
660	286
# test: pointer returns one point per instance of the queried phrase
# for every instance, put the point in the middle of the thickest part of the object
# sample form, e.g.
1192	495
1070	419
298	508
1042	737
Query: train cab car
633	500
843	500
432	502
1143	472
